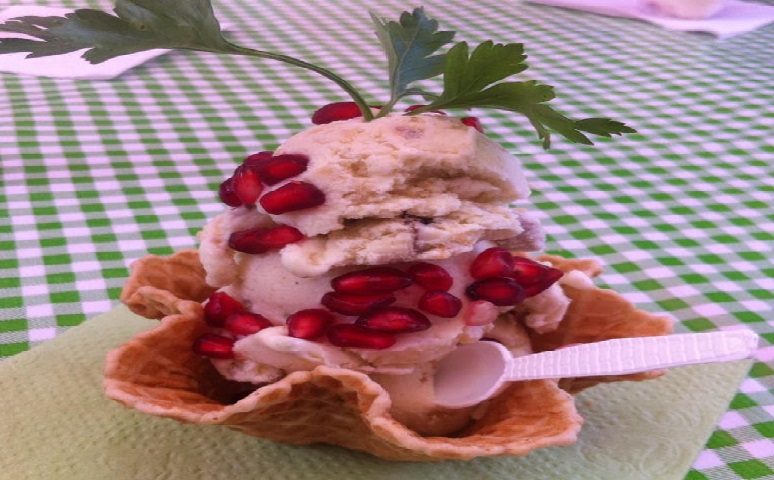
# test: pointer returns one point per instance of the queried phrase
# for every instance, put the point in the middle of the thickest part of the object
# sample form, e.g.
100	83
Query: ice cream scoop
477	371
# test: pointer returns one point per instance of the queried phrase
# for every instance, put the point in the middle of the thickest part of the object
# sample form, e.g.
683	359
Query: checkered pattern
94	175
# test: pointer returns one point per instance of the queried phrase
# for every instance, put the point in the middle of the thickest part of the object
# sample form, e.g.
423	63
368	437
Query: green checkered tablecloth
95	174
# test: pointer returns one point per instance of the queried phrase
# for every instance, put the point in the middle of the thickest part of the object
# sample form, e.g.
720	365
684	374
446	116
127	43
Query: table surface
95	174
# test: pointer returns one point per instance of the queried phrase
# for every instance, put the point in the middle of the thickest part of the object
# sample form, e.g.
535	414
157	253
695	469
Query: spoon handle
631	355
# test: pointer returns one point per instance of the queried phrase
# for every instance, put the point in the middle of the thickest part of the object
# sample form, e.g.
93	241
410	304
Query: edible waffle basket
157	372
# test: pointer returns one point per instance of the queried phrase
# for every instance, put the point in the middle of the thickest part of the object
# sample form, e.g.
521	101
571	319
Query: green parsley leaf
410	45
489	63
139	25
470	81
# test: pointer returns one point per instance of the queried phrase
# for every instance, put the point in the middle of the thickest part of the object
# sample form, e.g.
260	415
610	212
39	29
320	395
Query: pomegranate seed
430	276
227	194
473	122
246	323
371	280
281	167
492	262
259	240
247	185
256	159
394	320
443	304
292	196
309	324
501	291
550	277
351	304
219	307
526	271
336	111
348	335
214	346
533	276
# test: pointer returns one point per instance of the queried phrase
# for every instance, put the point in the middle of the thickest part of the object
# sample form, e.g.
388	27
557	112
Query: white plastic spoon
477	371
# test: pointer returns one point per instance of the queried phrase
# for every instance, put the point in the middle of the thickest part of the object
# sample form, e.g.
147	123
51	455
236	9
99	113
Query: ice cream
396	189
404	193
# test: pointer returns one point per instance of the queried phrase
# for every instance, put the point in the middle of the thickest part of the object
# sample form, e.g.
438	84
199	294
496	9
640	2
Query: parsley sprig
410	45
477	79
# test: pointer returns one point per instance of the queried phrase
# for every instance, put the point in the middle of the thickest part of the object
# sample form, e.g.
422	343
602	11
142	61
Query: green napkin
56	424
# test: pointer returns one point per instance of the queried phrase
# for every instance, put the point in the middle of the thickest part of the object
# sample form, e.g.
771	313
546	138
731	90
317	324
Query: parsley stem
353	93
387	108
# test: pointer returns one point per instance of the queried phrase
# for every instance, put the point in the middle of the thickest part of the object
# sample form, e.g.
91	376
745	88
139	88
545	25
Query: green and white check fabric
95	174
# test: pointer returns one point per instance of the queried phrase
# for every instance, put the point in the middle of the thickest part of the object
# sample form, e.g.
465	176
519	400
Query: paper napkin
70	65
56	424
734	18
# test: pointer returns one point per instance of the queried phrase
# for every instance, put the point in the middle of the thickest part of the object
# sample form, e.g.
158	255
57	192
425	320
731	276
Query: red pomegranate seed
492	262
351	304
353	336
259	240
473	122
371	280
257	159
219	307
336	111
227	194
443	304
247	185
246	323
309	324
292	196
501	291
526	271
549	278
430	276
214	346
394	320
281	167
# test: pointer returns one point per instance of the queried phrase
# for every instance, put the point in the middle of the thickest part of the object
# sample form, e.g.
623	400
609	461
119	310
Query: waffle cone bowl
157	372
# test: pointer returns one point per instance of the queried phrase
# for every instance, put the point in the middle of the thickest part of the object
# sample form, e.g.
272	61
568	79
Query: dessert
358	253
385	271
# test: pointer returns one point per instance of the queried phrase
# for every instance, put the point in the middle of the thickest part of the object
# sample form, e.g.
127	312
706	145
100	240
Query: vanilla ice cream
400	189
397	190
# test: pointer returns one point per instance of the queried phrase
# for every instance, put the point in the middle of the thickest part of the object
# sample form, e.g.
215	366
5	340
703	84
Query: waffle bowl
156	372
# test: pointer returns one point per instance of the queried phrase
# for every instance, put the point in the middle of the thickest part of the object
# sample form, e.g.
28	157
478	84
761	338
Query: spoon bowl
470	372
